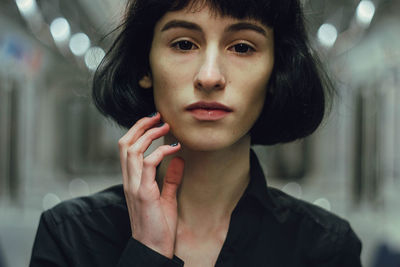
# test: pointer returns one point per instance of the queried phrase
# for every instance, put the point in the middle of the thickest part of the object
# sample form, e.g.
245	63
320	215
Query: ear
146	82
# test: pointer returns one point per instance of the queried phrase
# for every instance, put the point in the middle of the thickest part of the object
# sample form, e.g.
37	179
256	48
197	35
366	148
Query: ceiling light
79	44
93	57
26	7
365	12
60	29
327	34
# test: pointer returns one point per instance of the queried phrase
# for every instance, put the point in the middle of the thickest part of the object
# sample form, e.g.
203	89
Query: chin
204	146
204	142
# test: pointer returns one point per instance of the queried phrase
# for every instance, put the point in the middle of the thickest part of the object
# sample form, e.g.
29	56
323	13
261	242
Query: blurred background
54	145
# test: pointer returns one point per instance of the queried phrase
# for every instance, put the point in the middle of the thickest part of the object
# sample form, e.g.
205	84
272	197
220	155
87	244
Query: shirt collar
257	187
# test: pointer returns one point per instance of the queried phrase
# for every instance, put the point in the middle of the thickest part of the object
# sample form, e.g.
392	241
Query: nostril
210	84
209	87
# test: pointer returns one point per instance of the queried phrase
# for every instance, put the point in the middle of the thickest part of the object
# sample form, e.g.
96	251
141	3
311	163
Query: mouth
208	111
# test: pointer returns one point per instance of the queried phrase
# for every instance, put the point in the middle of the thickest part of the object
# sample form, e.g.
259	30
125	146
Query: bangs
298	89
265	11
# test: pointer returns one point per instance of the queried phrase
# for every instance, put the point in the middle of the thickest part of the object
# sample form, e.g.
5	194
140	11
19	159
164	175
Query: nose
210	75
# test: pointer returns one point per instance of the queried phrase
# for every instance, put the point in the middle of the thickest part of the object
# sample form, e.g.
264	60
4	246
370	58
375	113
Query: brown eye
183	45
242	48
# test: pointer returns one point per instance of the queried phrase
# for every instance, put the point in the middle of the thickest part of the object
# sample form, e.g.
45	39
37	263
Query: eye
183	45
243	48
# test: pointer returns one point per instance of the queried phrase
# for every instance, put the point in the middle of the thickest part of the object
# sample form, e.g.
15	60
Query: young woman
215	77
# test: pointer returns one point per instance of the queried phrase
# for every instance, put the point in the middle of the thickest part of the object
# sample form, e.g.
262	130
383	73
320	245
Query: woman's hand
153	216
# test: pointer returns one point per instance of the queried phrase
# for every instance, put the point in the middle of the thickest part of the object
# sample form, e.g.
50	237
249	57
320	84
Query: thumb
172	178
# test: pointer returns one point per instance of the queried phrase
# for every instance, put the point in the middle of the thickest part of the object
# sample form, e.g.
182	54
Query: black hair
298	92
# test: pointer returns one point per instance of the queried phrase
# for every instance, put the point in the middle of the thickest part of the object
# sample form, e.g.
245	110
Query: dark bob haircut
298	90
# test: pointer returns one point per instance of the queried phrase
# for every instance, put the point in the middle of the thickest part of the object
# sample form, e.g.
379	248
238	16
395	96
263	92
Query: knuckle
141	123
128	191
133	151
150	134
154	158
141	196
138	124
160	151
148	162
122	142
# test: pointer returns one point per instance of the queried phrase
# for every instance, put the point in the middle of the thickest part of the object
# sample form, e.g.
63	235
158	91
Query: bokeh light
293	189
327	34
26	7
323	203
79	44
78	187
365	12
93	57
50	200
60	29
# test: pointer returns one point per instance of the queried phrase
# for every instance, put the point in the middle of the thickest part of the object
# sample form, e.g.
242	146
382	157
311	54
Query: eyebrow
246	26
181	24
232	28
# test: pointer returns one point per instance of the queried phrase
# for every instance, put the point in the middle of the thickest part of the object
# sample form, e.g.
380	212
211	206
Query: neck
212	185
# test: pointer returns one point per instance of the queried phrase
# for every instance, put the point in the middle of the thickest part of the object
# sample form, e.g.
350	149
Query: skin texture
153	215
212	70
184	206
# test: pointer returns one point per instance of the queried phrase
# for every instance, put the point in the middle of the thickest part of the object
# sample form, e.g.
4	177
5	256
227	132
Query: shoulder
85	231
323	234
95	223
101	202
313	214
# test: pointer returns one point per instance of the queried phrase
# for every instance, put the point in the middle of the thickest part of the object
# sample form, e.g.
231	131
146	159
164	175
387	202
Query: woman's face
200	62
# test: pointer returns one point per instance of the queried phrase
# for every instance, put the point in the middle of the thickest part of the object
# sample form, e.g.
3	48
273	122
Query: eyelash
175	45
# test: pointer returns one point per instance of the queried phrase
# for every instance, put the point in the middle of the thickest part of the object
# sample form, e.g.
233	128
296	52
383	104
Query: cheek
169	81
256	102
171	74
261	84
253	95
164	82
255	89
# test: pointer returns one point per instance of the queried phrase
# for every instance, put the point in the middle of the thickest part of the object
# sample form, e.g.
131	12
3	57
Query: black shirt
267	228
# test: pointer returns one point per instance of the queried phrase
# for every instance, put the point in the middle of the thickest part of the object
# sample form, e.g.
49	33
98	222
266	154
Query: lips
208	106
208	111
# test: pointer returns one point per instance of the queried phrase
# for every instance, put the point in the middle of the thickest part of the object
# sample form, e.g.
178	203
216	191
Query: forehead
204	14
262	11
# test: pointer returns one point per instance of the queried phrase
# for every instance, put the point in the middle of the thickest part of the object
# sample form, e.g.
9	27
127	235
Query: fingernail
152	114
160	124
174	144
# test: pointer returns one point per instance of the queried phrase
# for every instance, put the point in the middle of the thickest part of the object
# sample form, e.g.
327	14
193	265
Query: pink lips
208	111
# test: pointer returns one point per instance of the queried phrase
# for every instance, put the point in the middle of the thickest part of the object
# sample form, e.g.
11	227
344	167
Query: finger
151	162
143	143
173	179
138	129
131	136
135	162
